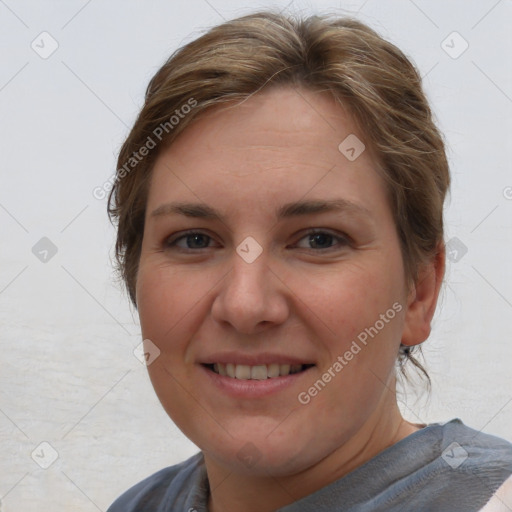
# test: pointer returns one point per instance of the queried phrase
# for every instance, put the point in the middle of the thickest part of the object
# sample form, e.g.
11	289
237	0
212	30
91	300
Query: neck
231	491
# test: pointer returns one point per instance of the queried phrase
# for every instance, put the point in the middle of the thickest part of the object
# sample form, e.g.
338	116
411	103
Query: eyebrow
288	210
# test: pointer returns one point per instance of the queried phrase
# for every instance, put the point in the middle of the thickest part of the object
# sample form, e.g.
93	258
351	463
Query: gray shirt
444	467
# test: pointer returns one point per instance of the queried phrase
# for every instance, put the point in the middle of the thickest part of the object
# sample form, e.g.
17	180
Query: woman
279	204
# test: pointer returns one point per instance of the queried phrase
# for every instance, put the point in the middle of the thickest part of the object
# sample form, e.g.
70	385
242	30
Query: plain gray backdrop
79	421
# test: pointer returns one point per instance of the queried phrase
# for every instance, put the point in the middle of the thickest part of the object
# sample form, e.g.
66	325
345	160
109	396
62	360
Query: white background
68	376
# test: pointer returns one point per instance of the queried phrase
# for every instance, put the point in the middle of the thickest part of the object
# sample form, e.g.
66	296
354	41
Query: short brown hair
368	75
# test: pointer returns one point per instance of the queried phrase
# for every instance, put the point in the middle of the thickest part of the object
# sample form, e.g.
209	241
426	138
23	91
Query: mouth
256	372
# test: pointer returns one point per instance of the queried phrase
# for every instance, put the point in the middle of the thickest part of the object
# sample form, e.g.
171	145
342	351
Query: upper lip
252	359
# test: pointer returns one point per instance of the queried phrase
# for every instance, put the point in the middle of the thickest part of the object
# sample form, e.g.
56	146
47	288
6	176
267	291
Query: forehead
276	145
286	118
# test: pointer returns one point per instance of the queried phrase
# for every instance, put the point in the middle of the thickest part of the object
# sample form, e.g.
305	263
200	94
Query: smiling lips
256	372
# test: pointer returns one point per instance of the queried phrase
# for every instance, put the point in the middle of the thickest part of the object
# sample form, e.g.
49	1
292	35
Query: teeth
242	371
284	369
230	370
257	372
273	370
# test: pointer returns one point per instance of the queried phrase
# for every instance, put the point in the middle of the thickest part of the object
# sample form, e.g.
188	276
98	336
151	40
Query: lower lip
240	388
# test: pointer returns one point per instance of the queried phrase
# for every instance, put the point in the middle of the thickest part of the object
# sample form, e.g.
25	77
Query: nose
251	297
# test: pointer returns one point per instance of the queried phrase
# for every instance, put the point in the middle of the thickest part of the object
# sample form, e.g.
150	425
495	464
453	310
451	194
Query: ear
422	299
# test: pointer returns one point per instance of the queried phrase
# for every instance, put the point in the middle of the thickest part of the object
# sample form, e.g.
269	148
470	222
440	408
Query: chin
260	456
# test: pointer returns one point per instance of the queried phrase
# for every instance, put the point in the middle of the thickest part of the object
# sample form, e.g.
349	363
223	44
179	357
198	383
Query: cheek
170	307
168	302
358	315
345	301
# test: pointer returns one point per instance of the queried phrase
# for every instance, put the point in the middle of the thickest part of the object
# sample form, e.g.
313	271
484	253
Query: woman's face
268	248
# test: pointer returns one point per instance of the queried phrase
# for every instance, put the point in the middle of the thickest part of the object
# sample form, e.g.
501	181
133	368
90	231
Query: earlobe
422	300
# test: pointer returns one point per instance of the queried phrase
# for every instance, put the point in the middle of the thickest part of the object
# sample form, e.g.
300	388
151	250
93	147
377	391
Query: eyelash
342	240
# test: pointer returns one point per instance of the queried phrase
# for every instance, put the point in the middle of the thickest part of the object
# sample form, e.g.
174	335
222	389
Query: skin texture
197	296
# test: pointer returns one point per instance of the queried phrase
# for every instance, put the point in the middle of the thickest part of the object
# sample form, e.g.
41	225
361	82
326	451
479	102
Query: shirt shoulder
444	466
501	501
182	484
472	450
463	471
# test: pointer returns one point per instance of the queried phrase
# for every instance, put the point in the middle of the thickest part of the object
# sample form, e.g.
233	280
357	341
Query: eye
189	241
321	240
